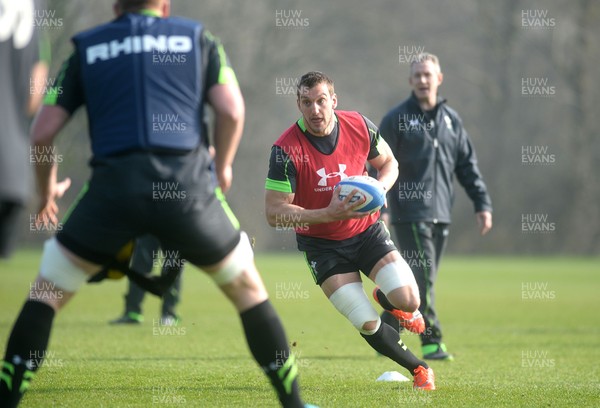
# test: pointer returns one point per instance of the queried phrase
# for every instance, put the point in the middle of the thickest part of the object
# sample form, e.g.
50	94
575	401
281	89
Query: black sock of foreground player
387	341
25	351
268	344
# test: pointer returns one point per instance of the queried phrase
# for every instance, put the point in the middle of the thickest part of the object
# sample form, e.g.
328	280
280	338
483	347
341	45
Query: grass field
524	331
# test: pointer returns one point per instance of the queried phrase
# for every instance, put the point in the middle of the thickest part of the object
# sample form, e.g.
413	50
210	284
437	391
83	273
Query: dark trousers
421	244
135	297
144	257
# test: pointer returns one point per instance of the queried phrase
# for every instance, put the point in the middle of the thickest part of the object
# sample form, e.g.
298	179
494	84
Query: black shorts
169	196
326	258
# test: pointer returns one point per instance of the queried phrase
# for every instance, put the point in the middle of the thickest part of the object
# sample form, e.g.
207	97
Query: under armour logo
324	176
313	265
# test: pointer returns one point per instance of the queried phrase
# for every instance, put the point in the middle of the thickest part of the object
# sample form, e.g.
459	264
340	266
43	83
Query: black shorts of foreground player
146	180
307	161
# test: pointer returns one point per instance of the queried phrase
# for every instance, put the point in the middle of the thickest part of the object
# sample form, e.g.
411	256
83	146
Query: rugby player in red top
307	161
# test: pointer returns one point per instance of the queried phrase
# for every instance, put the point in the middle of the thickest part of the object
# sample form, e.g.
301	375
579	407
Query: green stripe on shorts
84	190
226	208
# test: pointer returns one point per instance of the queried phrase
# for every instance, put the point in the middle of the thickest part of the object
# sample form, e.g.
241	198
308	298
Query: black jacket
431	147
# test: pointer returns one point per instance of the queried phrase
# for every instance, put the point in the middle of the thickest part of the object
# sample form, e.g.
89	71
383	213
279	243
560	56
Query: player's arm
469	176
59	103
48	122
381	157
280	192
226	99
39	75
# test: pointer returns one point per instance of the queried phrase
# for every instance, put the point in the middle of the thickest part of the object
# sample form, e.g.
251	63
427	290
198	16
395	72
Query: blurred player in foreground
307	161
150	176
22	78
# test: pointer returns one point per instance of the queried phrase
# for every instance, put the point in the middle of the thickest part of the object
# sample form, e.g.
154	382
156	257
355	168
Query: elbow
394	165
39	136
272	215
233	112
232	115
271	219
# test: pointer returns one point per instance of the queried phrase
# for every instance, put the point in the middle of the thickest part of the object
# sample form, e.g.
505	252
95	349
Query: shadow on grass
229	357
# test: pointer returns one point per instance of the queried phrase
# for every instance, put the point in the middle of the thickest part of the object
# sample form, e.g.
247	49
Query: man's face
317	105
425	78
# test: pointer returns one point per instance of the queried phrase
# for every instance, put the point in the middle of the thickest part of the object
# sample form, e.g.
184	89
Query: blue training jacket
143	79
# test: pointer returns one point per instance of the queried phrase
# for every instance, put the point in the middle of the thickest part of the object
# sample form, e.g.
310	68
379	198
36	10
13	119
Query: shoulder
453	115
355	120
95	30
353	117
347	114
450	111
184	22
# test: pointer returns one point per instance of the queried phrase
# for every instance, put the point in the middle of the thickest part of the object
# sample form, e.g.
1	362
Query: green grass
510	351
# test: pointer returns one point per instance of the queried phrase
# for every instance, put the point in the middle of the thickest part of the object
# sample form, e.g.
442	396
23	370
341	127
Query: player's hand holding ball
367	190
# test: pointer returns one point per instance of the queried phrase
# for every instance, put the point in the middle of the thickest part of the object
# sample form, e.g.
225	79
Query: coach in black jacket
431	146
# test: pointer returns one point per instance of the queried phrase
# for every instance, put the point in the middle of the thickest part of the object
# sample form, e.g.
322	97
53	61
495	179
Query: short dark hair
136	5
313	78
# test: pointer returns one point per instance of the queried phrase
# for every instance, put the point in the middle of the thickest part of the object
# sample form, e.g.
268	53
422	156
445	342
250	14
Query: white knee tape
239	259
351	301
58	269
395	275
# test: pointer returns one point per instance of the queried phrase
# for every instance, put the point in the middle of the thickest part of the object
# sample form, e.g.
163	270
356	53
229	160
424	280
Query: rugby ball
367	187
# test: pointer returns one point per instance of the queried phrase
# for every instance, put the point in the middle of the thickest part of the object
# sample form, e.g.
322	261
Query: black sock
25	351
391	320
268	344
387	341
383	301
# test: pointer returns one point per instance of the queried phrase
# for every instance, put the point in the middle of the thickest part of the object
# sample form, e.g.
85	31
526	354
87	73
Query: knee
370	327
235	264
412	303
59	277
350	300
406	299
